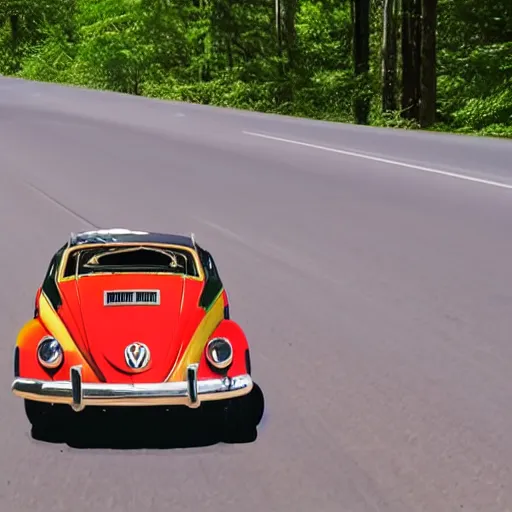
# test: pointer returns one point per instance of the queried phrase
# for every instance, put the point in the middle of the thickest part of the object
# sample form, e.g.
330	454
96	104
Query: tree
290	33
427	111
411	56
389	57
361	59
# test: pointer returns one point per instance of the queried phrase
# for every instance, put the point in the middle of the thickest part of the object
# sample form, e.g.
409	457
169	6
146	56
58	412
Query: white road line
273	251
385	161
225	231
59	204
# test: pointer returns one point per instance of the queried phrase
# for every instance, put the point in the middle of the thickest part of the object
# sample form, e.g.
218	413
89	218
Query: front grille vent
130	297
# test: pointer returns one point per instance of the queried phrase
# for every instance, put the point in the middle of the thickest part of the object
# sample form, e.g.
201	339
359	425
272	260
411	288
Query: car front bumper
78	394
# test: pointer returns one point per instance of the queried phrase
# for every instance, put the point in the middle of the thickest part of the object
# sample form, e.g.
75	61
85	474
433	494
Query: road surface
370	268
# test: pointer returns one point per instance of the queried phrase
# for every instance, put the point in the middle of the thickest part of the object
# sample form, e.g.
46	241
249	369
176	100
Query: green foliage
226	53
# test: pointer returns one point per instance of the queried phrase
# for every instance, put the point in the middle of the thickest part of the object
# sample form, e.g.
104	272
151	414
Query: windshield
134	258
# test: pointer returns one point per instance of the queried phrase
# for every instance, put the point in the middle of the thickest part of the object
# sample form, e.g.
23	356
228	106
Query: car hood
107	330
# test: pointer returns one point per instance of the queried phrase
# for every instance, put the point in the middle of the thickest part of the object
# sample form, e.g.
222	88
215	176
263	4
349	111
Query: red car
126	318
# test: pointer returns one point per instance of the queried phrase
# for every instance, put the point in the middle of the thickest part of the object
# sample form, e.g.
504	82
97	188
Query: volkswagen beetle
130	318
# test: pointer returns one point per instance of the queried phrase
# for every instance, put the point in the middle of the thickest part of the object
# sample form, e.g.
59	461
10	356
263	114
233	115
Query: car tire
242	415
45	419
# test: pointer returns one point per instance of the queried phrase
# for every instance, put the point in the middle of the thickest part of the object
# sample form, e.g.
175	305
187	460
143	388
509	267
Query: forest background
433	64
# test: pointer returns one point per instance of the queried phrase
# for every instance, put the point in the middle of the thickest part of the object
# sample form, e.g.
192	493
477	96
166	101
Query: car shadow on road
132	428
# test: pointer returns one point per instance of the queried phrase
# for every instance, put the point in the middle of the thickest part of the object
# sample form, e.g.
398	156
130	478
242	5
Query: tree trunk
389	57
204	71
277	5
428	64
411	58
416	30
230	33
362	58
290	33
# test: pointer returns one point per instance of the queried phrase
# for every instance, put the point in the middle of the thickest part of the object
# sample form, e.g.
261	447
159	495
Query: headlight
49	353
219	353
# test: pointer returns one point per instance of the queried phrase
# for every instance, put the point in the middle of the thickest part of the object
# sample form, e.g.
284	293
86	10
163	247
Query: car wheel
242	415
45	418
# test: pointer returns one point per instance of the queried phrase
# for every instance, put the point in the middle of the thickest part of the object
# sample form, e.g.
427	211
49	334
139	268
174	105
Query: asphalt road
370	268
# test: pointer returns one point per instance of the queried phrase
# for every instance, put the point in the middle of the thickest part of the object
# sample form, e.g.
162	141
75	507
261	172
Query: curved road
371	269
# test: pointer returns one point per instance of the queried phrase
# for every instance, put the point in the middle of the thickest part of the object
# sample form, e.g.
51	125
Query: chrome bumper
78	394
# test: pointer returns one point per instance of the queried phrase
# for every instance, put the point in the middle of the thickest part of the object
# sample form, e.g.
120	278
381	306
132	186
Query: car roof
121	235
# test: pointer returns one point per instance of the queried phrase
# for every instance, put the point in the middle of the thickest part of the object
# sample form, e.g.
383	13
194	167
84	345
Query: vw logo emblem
136	356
